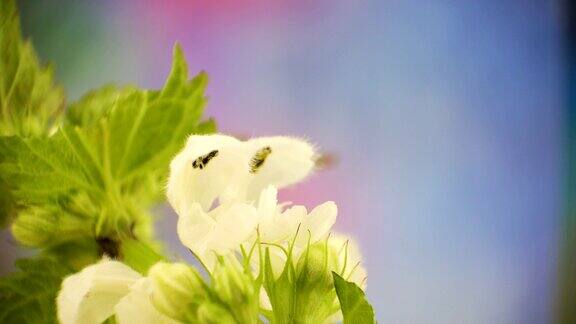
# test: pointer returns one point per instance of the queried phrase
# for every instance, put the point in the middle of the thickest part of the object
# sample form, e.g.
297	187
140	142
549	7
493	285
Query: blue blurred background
447	118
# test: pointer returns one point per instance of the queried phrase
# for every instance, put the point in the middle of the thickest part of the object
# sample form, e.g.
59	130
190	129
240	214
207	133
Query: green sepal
140	256
302	294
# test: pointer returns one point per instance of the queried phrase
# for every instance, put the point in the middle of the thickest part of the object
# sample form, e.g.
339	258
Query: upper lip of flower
221	167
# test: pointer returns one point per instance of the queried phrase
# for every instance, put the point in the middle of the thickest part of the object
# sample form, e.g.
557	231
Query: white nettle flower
283	226
228	226
137	307
220	230
104	289
222	167
278	225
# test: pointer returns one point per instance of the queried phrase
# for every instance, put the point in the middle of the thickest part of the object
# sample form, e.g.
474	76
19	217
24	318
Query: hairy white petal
290	161
224	175
90	295
231	173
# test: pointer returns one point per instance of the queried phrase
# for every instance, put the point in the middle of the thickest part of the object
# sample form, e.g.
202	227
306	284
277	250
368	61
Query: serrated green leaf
75	254
30	102
353	303
113	152
43	170
28	295
96	104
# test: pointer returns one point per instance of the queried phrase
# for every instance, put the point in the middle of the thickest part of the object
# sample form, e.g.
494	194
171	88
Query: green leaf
44	170
95	104
28	295
30	103
353	303
108	163
75	254
7	204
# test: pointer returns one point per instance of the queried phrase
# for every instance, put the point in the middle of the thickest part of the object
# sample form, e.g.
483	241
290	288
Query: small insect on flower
259	158
203	160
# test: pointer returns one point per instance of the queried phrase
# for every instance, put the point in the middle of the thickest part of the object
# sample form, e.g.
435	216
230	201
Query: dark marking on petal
259	158
203	160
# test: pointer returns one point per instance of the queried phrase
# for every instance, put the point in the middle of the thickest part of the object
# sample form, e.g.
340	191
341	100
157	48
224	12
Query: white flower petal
268	203
290	161
283	226
235	224
230	174
221	230
195	229
224	174
90	295
264	300
136	306
318	223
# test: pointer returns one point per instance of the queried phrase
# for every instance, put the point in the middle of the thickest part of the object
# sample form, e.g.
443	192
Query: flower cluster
263	258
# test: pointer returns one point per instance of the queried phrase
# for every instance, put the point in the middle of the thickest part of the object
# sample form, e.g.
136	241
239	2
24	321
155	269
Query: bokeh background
448	120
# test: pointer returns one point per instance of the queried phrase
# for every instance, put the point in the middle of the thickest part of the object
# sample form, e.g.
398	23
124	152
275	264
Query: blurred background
448	118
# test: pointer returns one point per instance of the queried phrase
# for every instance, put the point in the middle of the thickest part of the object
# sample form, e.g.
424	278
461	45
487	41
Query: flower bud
211	313
34	227
312	267
177	289
232	284
39	227
237	289
315	295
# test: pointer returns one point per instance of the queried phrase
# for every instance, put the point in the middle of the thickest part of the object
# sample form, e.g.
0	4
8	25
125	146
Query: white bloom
228	226
99	291
280	226
221	167
290	161
220	230
137	307
220	171
294	225
90	295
